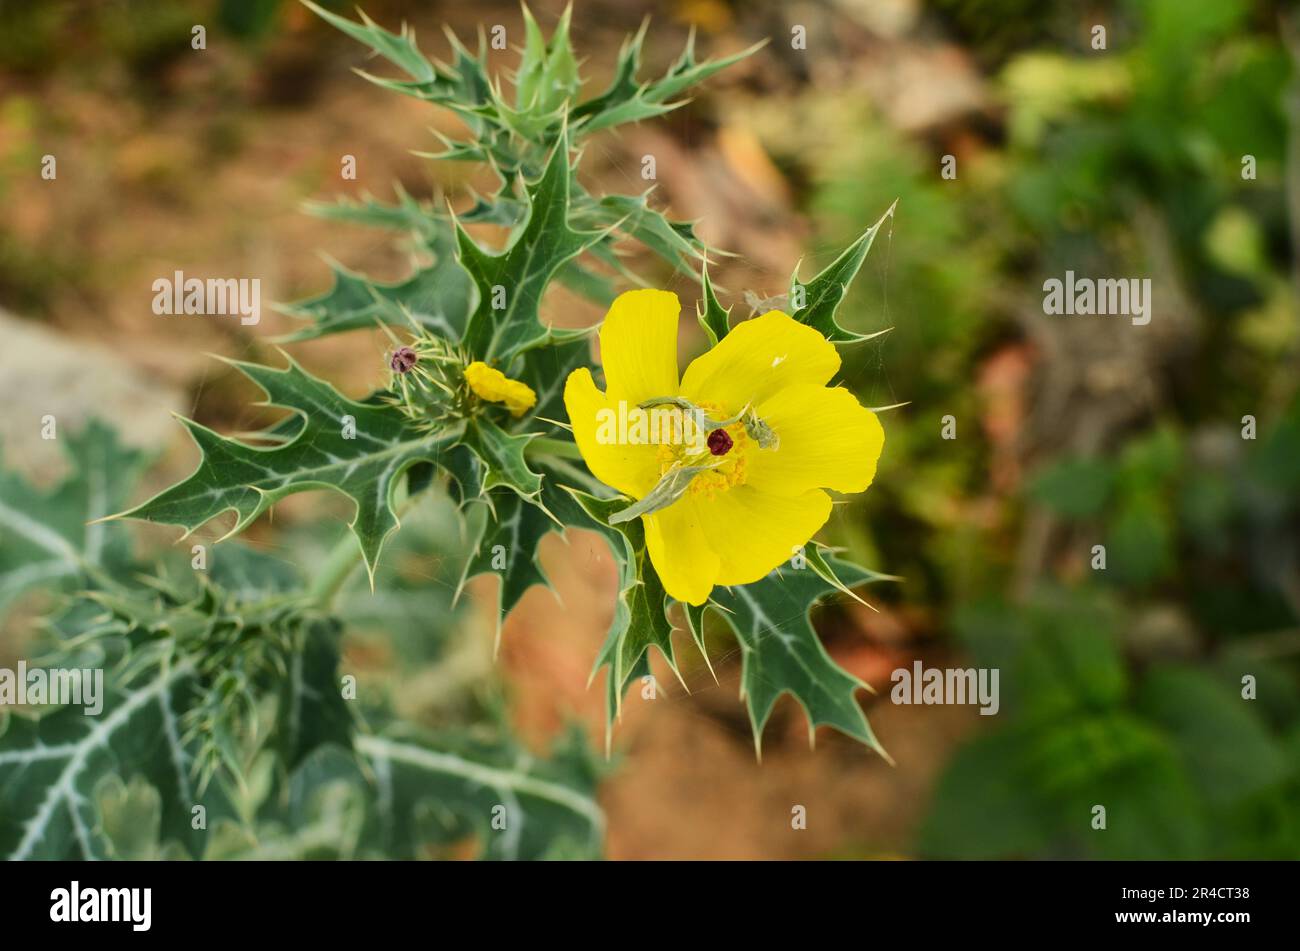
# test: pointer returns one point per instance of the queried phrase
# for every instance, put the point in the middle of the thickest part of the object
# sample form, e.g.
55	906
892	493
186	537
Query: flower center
723	450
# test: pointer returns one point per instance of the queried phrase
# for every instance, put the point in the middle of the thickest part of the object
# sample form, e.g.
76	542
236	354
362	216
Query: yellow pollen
729	469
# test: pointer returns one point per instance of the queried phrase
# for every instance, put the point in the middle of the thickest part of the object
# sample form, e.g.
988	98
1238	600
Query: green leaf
1229	752
624	85
819	560
509	529
1077	488
686	72
311	710
548	74
1116	760
546	370
398	48
589	283
462	87
1029	792
1140	542
636	109
437	789
246	479
503	208
131	821
825	292
626	100
674	241
640	614
713	317
502	455
781	653
507	546
197	679
410	614
536	250
465	473
52	767
439	297
250	574
321	813
1058	655
983	806
407	215
1276	463
51	537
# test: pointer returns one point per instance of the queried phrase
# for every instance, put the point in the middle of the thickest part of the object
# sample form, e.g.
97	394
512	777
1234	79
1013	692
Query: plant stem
340	561
546	446
334	571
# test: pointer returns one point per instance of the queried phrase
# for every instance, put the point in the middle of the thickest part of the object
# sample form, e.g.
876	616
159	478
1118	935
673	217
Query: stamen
719	442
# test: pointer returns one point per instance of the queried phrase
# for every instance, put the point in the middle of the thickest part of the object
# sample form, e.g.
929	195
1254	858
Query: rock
43	372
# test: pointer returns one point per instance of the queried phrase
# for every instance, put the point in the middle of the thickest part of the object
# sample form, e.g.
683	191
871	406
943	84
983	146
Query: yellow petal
680	551
827	440
632	469
756	360
638	346
754	530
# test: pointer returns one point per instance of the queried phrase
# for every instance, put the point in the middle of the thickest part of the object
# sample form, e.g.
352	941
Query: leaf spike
827	574
554	422
242	522
464	572
699	638
392	337
688	52
498	623
668	657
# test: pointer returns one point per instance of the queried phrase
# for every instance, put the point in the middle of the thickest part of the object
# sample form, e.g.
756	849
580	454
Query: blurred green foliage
142	34
1182	765
1123	687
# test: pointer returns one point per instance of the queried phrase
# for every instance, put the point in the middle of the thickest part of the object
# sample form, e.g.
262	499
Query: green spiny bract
427	382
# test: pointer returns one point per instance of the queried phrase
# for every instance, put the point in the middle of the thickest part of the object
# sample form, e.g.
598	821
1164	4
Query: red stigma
719	442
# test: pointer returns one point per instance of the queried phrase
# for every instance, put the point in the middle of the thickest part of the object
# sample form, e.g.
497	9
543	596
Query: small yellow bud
494	386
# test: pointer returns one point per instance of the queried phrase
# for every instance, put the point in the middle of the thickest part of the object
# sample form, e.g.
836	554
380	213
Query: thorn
883	409
884	754
496	634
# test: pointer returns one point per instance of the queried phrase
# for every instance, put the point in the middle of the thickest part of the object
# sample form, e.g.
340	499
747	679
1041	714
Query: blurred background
1121	687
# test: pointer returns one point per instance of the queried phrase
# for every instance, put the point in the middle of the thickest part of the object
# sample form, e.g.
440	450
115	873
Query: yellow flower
754	505
494	386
